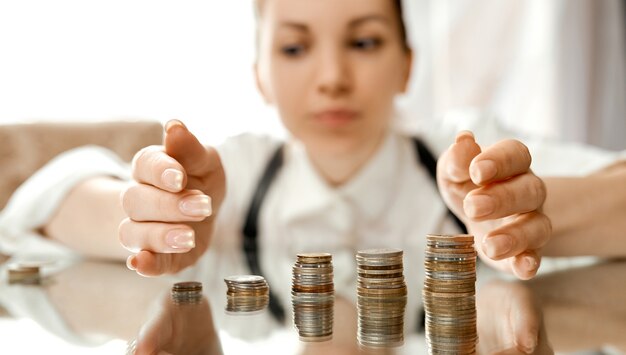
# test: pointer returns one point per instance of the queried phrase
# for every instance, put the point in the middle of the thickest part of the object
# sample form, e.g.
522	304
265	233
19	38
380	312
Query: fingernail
464	135
478	206
180	239
530	263
497	245
131	262
173	123
173	179
482	171
196	206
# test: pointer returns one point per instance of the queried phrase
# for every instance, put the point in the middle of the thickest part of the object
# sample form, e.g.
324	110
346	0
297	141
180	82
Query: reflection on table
88	303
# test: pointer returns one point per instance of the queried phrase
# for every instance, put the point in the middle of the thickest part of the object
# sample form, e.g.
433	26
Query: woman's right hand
172	207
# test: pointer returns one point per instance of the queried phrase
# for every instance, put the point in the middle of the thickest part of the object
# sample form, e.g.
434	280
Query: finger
156	237
529	231
526	264
183	146
525	321
153	166
145	203
454	165
155	334
147	263
521	194
501	161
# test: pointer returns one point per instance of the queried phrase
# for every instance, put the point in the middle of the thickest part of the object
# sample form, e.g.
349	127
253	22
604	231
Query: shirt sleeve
38	198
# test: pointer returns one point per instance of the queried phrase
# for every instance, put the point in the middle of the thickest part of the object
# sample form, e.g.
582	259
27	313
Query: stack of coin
313	296
449	294
24	273
188	292
382	296
246	294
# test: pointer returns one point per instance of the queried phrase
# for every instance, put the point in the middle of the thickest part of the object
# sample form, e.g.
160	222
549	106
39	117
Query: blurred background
547	68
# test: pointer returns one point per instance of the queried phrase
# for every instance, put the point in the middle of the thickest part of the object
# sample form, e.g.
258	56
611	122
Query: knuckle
128	199
541	190
507	197
123	229
165	202
138	160
523	151
547	224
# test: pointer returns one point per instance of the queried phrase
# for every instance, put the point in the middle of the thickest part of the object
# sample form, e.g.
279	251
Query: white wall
139	59
537	64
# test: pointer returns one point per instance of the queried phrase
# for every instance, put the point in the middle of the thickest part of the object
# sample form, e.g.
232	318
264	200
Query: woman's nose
334	77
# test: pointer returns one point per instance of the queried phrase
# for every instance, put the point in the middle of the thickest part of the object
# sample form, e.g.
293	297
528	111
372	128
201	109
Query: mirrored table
95	307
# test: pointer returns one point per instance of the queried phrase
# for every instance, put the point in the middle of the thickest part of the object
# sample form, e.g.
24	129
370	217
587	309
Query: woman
347	180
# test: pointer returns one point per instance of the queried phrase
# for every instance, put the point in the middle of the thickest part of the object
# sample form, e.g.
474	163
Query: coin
188	292
313	296
23	273
246	294
381	298
449	294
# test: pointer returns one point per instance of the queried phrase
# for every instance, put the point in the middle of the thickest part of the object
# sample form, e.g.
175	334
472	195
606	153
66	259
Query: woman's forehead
320	11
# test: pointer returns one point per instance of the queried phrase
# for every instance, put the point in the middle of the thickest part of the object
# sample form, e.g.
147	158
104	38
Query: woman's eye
366	43
293	50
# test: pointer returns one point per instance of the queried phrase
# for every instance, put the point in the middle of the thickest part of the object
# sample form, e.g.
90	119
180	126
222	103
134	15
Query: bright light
140	59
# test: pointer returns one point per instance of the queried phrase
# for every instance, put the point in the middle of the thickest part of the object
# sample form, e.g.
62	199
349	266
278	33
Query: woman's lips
335	117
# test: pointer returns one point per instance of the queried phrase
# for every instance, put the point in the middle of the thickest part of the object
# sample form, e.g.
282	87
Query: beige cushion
24	148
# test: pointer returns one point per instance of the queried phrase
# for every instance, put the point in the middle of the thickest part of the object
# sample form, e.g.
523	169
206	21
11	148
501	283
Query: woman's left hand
510	320
499	199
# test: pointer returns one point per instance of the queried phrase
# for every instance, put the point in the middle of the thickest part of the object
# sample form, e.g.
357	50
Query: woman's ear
408	68
259	85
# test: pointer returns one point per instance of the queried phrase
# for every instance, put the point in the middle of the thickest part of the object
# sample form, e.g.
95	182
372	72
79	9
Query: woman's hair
258	6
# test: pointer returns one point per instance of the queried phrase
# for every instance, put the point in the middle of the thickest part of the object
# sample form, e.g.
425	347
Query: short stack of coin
188	292
449	294
313	296
382	296
246	293
24	273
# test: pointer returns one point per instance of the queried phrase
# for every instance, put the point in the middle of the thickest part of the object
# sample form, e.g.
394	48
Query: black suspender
250	229
427	159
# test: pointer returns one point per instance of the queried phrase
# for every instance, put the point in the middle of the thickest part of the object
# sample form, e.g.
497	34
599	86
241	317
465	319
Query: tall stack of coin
449	294
187	292
382	296
246	293
313	296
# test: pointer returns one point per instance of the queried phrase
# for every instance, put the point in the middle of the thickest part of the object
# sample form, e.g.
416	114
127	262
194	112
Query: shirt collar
307	193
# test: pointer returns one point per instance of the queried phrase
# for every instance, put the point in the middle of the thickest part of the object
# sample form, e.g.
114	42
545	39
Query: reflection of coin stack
449	290
382	294
246	293
24	274
187	292
313	296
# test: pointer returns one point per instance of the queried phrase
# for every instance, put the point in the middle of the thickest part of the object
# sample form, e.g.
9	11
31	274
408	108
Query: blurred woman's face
332	68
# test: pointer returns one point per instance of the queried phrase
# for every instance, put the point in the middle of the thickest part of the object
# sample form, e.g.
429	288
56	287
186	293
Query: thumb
183	146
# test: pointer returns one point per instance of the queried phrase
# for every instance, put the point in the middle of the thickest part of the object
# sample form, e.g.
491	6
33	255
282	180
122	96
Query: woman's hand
179	329
509	320
171	208
499	199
